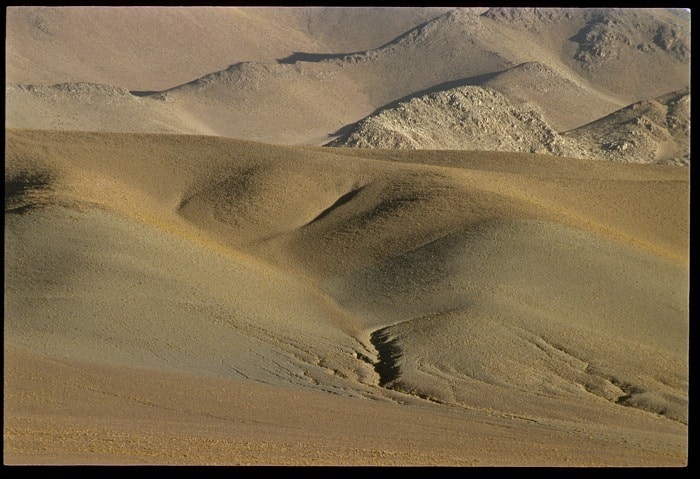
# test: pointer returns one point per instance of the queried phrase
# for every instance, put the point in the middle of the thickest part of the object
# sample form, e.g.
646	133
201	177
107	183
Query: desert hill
363	278
305	98
475	118
651	131
154	48
192	277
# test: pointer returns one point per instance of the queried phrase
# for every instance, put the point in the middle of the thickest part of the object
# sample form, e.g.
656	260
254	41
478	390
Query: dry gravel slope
650	131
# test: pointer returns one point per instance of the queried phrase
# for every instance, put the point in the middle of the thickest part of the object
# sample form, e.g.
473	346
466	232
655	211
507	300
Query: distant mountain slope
533	57
154	48
603	45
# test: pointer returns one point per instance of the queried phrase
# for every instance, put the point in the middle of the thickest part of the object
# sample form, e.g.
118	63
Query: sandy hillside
191	277
154	48
405	280
567	100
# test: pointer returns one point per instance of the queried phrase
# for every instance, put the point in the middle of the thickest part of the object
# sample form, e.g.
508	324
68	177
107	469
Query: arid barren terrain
346	236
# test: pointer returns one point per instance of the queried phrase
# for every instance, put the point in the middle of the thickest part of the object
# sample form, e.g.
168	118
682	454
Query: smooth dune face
190	278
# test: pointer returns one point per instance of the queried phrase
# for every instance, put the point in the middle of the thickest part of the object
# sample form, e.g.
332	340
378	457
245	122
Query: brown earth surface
192	278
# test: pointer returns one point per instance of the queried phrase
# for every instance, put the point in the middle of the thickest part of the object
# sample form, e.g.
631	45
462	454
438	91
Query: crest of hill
154	48
353	29
93	107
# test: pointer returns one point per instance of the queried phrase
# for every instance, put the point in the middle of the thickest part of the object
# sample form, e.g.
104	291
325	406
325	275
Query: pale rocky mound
474	118
465	118
649	131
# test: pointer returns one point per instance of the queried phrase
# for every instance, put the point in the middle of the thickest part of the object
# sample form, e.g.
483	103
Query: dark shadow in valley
342	132
143	92
313	57
339	202
387	365
19	192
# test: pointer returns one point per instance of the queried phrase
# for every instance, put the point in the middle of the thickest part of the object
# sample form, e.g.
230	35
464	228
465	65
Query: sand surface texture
191	278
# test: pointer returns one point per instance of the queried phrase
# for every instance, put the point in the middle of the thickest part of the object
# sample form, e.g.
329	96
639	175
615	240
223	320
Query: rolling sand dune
191	278
462	286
